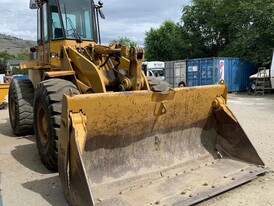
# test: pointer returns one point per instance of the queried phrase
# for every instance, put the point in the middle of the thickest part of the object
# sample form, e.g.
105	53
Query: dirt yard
256	116
25	181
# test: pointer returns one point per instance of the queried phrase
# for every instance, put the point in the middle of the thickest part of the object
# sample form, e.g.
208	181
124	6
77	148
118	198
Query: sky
124	18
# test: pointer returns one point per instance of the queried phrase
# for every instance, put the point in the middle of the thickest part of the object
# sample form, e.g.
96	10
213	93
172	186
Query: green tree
124	41
4	57
3	66
22	55
16	70
231	28
164	43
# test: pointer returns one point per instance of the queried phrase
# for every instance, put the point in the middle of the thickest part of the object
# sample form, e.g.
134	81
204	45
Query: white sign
272	71
222	69
2	78
155	65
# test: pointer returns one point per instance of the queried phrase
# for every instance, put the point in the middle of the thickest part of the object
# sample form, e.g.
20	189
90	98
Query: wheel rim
12	108
42	125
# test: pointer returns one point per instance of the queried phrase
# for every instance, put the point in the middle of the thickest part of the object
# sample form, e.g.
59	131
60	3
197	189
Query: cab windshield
159	73
76	19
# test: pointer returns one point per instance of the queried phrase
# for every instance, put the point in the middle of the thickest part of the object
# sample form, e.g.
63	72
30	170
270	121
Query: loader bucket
143	148
4	89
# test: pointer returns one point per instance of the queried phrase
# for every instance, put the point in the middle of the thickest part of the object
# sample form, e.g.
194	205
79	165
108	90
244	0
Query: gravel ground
25	181
256	116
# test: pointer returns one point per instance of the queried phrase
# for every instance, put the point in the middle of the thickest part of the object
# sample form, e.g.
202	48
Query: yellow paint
188	105
59	73
4	89
78	121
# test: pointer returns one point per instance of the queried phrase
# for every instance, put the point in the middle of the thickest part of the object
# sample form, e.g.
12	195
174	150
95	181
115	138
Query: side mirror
98	8
33	4
100	3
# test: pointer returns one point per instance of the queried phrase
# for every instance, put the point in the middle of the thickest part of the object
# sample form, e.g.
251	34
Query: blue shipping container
234	71
20	76
201	72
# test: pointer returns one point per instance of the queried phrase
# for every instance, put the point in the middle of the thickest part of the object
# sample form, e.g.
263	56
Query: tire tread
22	92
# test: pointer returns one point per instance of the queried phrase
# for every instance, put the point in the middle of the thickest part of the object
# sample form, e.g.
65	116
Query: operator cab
65	19
64	22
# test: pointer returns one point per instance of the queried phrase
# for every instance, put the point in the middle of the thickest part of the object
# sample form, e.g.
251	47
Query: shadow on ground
23	149
28	156
5	129
50	189
27	153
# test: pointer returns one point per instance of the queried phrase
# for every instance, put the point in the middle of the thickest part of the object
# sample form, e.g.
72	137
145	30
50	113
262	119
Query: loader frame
116	136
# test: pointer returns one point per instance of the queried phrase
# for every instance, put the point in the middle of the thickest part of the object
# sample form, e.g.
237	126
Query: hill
14	45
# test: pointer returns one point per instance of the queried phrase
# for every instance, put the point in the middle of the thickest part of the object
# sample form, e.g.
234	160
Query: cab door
43	34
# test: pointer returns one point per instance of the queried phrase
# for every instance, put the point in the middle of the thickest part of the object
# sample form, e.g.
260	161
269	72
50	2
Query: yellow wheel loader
120	138
4	88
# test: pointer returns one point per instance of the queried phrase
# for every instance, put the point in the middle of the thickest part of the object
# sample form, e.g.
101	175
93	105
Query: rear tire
20	103
253	86
181	84
47	118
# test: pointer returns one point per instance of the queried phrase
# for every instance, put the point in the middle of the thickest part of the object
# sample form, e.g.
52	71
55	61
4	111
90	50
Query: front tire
20	101
47	118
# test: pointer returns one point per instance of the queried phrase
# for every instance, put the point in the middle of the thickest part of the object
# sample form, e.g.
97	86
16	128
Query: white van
154	69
